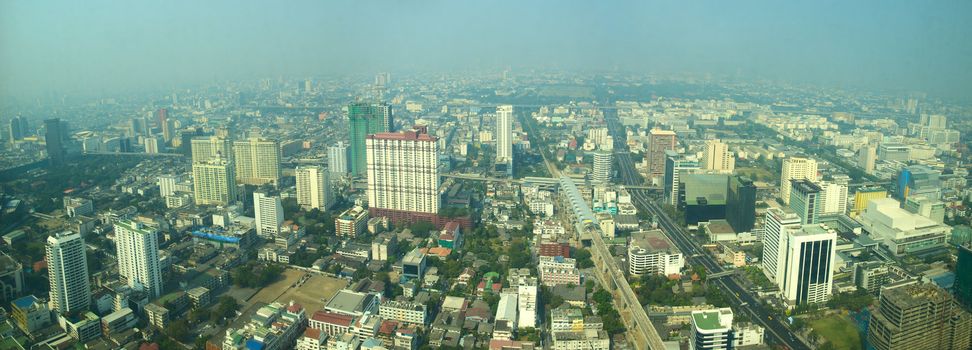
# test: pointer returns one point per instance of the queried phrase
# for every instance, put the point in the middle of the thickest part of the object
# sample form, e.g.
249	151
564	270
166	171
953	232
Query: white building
601	172
717	157
205	149
314	188
504	134
651	252
214	182
526	299
138	256
67	270
900	231
168	184
404	312
833	196
257	161
809	265
796	168
337	158
403	174
269	214
711	329
777	227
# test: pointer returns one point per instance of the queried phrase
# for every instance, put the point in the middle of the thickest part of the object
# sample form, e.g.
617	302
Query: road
776	331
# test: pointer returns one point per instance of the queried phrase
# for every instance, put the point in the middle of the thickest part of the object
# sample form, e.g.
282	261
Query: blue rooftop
253	344
25	302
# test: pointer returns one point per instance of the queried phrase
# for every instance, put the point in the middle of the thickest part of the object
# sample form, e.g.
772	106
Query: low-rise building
651	252
351	222
404	312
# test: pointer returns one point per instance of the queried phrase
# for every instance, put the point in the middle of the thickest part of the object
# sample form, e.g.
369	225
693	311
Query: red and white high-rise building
403	176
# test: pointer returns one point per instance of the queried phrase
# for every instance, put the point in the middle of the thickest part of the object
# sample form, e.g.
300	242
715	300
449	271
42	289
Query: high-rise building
205	149
257	161
659	141
504	135
313	188
717	157
601	172
933	121
676	166
918	180
366	119
54	139
833	198
165	124
777	228
137	248
167	184
712	329
796	168
918	316
808	265
67	269
741	204
805	200
963	276
152	145
403	176
337	158
214	182
933	209
867	158
18	128
269	214
865	195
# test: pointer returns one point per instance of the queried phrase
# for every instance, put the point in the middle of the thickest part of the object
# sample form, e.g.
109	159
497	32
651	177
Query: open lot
839	330
311	292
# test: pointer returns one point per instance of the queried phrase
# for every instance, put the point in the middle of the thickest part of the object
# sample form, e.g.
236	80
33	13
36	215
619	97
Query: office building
366	119
867	158
257	161
963	276
651	252
918	180
504	136
205	149
776	229
901	232
933	209
54	138
214	182
337	159
805	200
601	171
741	204
314	188
894	152
676	166
403	176
659	141
67	269
833	198
796	168
865	195
808	265
918	316
712	329
716	157
703	197
268	214
137	250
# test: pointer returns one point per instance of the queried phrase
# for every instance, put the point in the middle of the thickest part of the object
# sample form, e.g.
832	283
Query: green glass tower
963	276
366	119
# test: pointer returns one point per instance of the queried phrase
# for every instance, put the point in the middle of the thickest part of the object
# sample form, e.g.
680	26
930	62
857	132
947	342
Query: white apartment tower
213	182
138	256
777	227
67	269
257	161
403	174
833	198
601	172
796	168
314	188
206	149
504	134
337	158
269	214
717	157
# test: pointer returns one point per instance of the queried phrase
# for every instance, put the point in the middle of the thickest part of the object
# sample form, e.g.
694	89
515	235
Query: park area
838	330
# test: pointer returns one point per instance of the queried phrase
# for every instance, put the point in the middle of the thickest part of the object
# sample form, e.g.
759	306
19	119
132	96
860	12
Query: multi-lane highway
743	299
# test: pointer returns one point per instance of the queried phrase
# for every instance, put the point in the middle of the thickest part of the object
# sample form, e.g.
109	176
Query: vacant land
312	291
839	330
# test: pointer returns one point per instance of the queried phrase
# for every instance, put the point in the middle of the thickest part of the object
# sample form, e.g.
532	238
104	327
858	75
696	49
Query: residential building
257	161
337	159
351	222
833	198
268	212
67	270
212	148
504	136
402	311
659	141
403	176
214	182
30	314
602	167
716	157
796	168
138	256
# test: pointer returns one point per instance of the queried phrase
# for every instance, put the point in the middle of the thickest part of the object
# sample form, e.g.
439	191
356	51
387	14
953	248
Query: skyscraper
269	214
833	198
717	157
601	172
366	119
209	148
313	188
337	159
165	124
676	166
54	139
18	128
867	158
67	269
138	256
918	316
805	200
504	135
403	176
796	168
777	228
257	161
808	265
741	204
963	276
214	182
659	141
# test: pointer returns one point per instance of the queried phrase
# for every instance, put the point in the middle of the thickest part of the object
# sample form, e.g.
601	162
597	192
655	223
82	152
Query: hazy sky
106	46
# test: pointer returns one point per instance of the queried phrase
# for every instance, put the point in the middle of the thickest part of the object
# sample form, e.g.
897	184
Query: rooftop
652	241
712	320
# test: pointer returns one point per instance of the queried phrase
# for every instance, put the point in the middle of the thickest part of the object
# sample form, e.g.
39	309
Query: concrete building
676	166
919	316
805	200
406	312
257	161
351	222
337	159
777	228
30	314
796	168
504	136
741	204
602	167
659	141
712	329
212	148
900	231
214	183
918	180
268	212
403	176
833	198
867	158
808	265
67	269
865	195
716	157
138	256
11	278
933	209
651	252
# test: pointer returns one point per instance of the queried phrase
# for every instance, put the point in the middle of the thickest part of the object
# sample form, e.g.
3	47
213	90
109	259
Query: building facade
403	176
67	269
138	256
